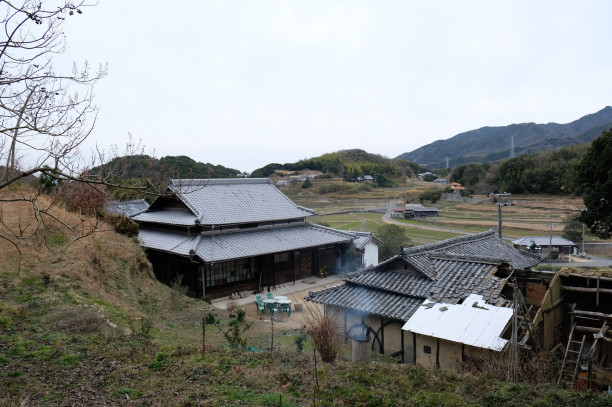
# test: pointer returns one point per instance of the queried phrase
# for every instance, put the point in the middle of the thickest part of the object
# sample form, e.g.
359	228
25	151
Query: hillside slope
493	143
85	325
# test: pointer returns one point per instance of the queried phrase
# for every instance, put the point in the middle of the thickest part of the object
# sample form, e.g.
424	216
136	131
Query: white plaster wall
370	256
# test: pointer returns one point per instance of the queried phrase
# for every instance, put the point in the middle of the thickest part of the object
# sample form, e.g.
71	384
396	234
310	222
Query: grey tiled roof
362	238
543	241
485	244
167	241
242	243
446	271
236	200
168	216
250	243
127	208
454	278
362	299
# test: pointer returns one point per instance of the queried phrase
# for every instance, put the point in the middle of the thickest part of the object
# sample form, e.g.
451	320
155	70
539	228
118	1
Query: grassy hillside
85	324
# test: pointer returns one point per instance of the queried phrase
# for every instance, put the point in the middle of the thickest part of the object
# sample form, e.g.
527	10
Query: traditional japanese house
229	235
380	299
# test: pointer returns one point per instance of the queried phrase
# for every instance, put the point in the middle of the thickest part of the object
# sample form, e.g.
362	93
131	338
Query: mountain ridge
491	143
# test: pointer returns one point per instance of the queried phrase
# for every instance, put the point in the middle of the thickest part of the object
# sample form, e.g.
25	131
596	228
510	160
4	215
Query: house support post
402	344
203	281
382	335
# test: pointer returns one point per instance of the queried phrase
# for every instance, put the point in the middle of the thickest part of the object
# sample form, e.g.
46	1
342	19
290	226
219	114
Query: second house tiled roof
485	244
446	271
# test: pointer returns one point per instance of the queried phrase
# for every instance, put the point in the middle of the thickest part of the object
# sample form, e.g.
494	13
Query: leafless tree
46	115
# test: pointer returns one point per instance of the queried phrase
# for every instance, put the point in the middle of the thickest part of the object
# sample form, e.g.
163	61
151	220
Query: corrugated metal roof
474	322
127	208
242	243
236	200
543	241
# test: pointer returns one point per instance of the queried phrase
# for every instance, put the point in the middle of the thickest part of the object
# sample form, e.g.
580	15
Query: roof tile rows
446	271
127	208
543	241
232	201
223	246
362	299
168	216
479	244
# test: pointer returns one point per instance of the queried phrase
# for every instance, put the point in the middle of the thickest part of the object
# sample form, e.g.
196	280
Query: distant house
422	176
456	187
441	181
546	244
419	211
398	212
127	208
242	234
368	178
282	183
380	299
298	178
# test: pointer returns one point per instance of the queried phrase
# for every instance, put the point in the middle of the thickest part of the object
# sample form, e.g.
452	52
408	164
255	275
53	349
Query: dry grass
79	321
102	265
531	368
231	306
324	333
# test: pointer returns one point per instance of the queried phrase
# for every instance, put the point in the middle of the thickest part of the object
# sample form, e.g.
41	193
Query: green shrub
161	360
123	225
300	340
211	319
240	314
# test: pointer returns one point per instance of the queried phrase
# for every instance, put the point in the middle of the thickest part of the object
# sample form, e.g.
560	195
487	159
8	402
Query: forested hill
346	163
493	143
168	167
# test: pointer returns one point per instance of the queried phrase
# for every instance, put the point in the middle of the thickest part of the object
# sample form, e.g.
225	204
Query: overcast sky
246	83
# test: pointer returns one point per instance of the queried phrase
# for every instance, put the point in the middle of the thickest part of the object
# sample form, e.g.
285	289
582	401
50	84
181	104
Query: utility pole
583	253
500	202
550	245
362	220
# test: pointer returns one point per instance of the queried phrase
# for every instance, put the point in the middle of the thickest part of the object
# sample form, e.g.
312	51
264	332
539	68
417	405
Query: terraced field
525	215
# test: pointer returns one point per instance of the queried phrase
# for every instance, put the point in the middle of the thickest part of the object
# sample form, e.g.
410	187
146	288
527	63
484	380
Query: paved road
593	262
